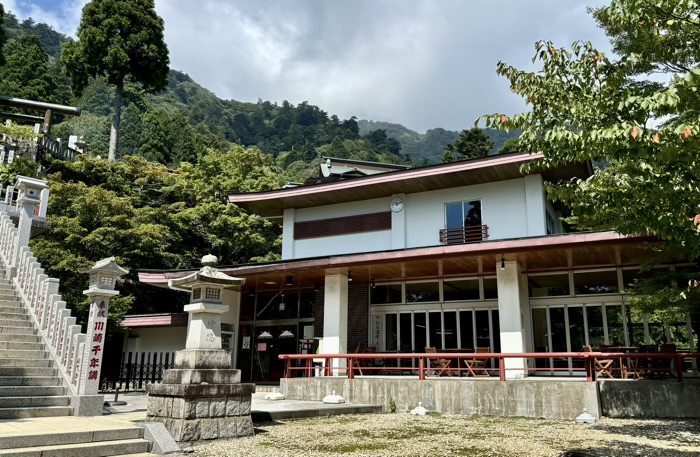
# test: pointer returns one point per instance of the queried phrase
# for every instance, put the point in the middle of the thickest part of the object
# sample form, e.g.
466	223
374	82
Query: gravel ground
403	435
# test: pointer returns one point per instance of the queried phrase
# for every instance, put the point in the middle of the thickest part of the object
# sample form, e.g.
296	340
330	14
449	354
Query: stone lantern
202	396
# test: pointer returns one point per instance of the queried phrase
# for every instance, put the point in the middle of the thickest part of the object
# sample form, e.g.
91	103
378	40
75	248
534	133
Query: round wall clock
396	205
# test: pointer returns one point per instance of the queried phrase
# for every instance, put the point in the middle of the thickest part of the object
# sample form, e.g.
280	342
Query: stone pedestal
202	398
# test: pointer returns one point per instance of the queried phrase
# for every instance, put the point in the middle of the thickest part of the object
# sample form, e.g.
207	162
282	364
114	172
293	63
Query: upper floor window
463	223
463	214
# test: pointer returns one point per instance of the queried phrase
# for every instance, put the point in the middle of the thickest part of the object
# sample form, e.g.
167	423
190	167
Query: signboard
246	342
262	347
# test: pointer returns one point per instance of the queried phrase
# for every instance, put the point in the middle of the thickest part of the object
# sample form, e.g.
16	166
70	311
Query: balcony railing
460	235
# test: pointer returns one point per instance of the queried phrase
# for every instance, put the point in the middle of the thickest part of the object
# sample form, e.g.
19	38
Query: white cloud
417	62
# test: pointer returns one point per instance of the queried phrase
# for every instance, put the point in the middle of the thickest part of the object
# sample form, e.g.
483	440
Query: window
596	282
548	285
214	294
461	289
383	294
490	288
463	214
419	292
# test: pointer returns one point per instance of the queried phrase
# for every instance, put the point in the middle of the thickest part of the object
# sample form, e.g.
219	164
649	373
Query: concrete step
8	295
93	449
13	304
6	287
17	323
31	391
25	363
23	353
72	437
34	401
12	345
7	330
18	315
30	381
39	411
16	338
28	371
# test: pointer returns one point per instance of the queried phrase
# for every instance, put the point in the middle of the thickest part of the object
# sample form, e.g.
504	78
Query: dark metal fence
138	369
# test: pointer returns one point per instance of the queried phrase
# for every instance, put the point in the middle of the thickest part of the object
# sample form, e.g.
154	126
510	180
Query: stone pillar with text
202	397
103	277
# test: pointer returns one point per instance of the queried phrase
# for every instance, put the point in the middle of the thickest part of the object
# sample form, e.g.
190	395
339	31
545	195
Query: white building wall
511	209
157	339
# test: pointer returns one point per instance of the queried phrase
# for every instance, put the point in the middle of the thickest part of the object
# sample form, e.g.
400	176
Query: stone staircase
31	390
29	382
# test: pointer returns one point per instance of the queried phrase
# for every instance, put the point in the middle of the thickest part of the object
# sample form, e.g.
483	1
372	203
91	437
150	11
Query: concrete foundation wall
525	398
650	399
538	398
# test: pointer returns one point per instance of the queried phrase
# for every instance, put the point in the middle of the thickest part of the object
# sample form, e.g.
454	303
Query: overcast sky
423	64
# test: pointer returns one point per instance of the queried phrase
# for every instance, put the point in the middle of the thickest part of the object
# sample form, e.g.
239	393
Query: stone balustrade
77	355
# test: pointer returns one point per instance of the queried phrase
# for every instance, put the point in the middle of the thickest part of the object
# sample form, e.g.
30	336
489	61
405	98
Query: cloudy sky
420	63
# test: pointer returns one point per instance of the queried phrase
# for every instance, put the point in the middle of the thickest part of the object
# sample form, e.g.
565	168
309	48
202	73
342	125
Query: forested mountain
182	151
428	147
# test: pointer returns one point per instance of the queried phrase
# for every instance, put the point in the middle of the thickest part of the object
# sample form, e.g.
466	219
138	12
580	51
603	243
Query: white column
398	225
43	206
511	310
288	234
335	318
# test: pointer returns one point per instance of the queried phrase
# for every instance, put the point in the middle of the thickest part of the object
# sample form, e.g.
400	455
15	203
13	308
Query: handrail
469	234
57	149
587	357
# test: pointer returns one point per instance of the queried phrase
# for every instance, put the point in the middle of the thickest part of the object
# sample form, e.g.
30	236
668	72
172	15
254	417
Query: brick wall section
318	313
358	315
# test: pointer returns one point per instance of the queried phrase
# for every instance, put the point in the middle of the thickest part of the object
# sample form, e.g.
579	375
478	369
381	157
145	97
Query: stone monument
202	398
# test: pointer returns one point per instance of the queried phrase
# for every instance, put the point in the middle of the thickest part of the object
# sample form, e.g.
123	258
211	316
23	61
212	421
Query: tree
511	145
587	106
118	39
26	74
471	144
3	37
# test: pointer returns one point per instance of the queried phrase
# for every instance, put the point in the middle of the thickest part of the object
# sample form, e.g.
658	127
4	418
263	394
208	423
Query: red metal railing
420	362
472	234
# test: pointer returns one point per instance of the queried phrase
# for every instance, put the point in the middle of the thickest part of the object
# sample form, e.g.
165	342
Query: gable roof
487	169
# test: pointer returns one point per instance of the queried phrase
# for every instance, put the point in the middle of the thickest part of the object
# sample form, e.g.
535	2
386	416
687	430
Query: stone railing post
103	277
29	198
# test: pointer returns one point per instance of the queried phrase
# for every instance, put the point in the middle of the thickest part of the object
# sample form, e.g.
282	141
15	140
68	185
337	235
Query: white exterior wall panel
511	209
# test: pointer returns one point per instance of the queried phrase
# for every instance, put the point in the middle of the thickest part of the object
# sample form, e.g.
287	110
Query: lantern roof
207	275
107	266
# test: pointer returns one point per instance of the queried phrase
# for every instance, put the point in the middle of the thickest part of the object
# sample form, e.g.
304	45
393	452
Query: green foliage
587	106
149	216
116	39
28	73
472	144
3	35
512	145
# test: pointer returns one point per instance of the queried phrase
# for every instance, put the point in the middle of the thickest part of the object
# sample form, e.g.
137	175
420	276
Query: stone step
7	330
25	363
16	323
28	371
23	353
14	304
6	286
34	401
39	411
14	345
15	338
72	437
31	391
30	381
19	315
93	449
8	295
